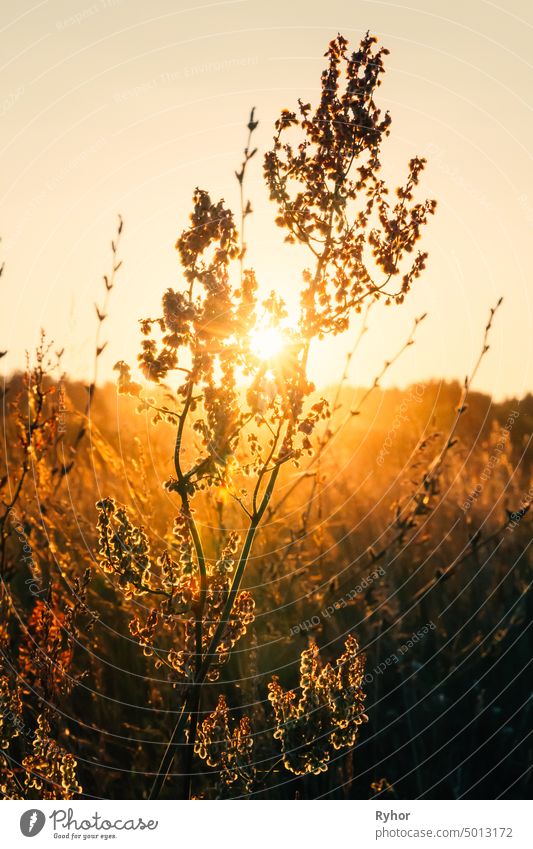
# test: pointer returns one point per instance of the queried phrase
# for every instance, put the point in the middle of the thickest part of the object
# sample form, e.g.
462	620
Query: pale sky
116	106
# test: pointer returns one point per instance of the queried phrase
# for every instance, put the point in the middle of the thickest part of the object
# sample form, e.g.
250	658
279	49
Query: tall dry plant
241	412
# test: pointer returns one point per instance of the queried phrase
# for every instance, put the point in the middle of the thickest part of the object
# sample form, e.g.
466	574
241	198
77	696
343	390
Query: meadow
221	582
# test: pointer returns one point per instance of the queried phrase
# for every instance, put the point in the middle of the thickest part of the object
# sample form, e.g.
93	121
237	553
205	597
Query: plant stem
192	702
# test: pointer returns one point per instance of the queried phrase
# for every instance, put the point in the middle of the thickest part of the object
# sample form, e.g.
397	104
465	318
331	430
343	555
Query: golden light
266	342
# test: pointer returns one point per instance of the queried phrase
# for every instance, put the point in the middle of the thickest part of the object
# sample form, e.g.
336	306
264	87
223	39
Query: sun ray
267	343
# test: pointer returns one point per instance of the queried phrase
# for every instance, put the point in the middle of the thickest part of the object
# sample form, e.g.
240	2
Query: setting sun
266	342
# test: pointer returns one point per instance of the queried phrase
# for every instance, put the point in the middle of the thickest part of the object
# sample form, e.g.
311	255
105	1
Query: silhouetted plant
205	338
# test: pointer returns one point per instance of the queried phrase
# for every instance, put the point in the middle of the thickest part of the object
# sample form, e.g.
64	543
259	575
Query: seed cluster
327	715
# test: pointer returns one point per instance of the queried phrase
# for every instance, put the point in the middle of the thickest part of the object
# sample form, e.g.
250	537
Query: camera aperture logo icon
32	822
